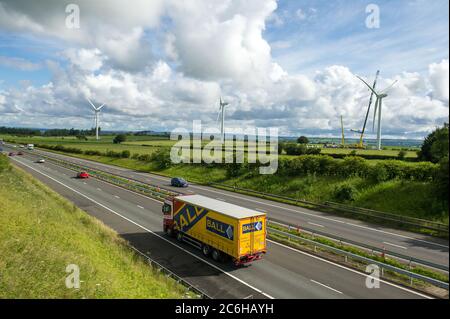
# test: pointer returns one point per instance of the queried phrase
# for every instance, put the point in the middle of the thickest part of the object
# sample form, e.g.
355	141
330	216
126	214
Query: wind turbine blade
99	108
91	103
218	116
368	85
389	87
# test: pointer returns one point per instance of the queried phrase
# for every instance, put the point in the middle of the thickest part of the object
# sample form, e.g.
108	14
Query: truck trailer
221	230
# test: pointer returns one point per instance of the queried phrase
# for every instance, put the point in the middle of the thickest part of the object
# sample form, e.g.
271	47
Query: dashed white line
116	196
98	189
153	233
349	269
390	244
140	206
323	285
314	224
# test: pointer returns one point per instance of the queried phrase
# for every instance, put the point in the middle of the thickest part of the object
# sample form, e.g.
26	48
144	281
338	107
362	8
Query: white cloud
19	63
439	78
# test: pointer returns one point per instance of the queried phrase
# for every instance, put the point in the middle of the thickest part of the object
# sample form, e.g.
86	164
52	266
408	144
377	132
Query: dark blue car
178	182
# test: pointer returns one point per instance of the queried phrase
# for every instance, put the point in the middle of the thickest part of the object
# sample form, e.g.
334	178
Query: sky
161	64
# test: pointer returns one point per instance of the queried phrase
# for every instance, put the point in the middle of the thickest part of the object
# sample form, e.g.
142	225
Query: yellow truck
220	229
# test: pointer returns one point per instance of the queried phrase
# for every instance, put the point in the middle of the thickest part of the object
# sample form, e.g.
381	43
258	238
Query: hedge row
299	166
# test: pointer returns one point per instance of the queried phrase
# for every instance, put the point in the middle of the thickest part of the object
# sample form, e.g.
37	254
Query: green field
404	197
149	144
41	233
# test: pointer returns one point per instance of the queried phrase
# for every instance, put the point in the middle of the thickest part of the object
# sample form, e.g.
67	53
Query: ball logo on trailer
219	228
188	216
252	227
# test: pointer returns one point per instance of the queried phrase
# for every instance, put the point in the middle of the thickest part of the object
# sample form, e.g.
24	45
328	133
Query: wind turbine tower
378	106
221	115
97	112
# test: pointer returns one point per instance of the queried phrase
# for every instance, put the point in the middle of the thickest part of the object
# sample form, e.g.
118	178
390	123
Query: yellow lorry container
220	229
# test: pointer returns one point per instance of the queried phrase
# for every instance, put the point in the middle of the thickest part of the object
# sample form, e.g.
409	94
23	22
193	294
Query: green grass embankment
41	233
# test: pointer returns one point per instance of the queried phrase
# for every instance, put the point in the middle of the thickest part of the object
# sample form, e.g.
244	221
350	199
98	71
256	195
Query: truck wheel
216	255
206	250
180	236
169	231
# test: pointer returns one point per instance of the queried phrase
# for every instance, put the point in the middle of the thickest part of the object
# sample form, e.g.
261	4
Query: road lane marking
314	224
84	183
98	189
403	236
153	233
263	203
351	270
140	206
218	198
116	196
398	246
323	285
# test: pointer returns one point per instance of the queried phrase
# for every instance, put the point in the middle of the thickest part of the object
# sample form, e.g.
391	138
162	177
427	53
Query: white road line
116	196
402	236
398	246
351	270
323	217
140	206
218	198
98	189
321	284
293	210
84	183
153	233
314	224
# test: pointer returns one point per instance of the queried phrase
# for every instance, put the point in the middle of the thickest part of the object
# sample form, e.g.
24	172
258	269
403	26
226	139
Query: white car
40	161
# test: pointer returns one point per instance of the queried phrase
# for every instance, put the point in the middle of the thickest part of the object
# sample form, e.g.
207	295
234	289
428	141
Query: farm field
149	144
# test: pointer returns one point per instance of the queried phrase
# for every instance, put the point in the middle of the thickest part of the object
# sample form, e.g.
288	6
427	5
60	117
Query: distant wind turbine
378	105
97	111
221	115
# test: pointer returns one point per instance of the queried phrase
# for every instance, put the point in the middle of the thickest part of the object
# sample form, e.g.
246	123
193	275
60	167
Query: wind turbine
378	105
221	115
97	111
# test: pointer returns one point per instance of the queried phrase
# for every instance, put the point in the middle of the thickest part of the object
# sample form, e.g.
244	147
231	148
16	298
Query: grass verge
41	233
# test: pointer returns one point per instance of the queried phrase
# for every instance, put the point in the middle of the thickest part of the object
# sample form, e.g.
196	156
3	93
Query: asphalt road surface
282	273
424	247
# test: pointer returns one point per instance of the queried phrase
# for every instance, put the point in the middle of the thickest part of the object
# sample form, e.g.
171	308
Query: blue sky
293	67
412	35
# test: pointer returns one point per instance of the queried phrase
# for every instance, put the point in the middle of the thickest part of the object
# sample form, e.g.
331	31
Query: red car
83	175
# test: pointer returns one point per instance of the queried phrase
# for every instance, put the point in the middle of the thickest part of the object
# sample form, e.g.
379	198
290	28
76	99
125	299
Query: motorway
283	273
419	246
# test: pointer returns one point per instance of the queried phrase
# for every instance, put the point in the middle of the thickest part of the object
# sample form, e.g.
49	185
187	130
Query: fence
382	266
403	220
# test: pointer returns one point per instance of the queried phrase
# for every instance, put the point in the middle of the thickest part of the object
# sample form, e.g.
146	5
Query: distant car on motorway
179	182
19	153
22	146
41	160
11	154
83	175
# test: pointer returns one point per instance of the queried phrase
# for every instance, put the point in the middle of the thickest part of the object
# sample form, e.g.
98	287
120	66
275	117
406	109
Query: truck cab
167	210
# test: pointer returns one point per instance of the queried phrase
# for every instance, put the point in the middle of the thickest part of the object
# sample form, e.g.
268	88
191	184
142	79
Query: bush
161	158
345	192
302	140
378	173
92	152
401	155
119	138
125	154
